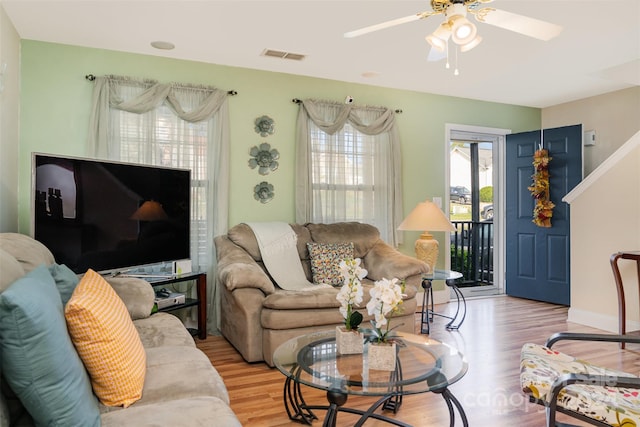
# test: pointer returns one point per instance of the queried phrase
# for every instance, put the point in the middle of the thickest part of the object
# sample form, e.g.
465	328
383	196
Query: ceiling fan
463	32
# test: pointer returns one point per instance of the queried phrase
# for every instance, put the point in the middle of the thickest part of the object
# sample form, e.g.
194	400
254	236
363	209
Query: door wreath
543	209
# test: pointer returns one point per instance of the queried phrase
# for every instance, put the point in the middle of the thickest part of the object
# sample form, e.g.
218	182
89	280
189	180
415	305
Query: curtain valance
331	117
106	94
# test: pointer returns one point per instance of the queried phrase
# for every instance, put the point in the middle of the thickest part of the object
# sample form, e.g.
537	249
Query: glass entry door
472	182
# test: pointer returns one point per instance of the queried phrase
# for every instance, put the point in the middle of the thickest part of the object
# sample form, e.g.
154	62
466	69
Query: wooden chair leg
622	314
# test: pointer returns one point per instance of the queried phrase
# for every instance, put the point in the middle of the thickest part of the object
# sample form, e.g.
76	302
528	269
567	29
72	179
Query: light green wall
55	102
9	113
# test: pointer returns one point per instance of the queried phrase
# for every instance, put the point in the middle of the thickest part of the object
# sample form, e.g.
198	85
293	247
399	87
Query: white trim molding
611	162
601	321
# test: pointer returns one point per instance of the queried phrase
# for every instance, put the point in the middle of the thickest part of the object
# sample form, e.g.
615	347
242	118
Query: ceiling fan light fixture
462	30
438	39
473	43
436	42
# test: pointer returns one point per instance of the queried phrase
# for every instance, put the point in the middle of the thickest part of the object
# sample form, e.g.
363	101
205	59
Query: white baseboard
600	321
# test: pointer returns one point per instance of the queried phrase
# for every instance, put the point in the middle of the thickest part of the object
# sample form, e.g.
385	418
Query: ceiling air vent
283	55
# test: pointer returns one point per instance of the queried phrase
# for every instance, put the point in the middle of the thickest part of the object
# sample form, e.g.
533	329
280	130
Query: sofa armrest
383	261
137	294
237	269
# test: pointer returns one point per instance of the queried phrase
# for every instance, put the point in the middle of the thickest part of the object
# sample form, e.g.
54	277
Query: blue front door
537	258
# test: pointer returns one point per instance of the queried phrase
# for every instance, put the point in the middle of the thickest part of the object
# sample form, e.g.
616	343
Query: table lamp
427	216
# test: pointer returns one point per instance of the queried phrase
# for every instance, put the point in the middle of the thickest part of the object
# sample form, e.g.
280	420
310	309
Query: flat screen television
110	216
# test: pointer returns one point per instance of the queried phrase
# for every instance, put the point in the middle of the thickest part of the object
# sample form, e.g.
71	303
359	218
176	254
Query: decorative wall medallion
265	157
263	192
264	126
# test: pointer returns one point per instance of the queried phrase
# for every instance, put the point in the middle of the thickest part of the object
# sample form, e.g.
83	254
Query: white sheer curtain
348	166
174	126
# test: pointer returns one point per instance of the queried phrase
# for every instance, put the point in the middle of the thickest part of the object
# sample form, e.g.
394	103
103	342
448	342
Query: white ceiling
597	52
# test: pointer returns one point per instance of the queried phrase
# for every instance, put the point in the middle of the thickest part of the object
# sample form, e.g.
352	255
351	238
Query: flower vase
382	356
349	342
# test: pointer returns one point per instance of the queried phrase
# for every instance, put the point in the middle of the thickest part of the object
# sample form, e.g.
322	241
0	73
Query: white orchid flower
386	297
351	294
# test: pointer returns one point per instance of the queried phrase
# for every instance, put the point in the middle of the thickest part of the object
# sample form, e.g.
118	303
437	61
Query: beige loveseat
181	387
257	316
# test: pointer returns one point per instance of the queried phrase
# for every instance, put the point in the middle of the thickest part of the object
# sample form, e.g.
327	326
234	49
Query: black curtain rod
299	101
91	78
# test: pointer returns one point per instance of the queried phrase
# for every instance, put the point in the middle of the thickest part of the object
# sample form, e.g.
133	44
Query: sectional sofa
42	383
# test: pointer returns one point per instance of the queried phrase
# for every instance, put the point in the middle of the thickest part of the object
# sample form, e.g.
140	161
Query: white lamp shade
438	39
427	216
436	42
462	31
473	43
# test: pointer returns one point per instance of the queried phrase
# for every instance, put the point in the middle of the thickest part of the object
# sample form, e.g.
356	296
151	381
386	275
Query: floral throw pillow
325	261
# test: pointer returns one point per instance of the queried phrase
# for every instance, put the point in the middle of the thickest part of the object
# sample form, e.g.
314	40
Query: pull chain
456	72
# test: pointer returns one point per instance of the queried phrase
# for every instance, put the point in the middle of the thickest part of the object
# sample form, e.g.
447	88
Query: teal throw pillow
66	281
39	361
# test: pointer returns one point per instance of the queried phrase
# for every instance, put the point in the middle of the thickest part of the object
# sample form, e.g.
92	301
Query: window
173	125
343	175
161	138
348	166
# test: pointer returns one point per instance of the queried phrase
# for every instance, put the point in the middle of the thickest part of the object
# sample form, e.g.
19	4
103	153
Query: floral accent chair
590	393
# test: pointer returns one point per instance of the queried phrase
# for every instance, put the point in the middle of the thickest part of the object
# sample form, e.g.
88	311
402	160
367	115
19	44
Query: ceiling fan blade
518	23
388	24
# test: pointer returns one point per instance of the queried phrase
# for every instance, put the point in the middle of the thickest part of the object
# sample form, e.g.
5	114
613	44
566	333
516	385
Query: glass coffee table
422	365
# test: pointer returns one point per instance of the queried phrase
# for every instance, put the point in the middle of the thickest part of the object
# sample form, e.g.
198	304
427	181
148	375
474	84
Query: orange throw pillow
107	341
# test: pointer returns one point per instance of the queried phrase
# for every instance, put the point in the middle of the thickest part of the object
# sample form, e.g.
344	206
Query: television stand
147	276
200	301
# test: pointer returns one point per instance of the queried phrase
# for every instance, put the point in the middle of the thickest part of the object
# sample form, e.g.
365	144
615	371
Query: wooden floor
491	338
